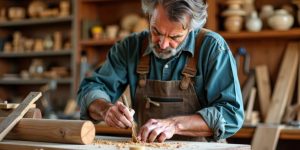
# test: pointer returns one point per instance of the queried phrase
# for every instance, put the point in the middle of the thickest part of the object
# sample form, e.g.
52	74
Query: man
183	79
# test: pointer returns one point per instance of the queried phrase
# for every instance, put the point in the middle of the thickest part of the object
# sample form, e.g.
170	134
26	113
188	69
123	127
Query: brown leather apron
163	99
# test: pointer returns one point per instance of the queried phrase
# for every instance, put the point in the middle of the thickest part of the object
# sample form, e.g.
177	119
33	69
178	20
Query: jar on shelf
253	23
281	20
266	12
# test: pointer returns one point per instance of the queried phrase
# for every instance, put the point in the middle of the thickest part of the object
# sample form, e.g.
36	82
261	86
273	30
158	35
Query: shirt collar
188	44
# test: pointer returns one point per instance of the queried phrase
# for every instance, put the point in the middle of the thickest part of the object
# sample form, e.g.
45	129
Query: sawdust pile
124	144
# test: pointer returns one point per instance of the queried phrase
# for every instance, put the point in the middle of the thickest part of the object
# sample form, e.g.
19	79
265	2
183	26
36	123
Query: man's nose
164	42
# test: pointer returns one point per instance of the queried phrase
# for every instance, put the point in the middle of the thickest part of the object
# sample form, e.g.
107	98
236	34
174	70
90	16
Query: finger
147	129
154	133
148	123
125	110
109	122
115	115
124	120
162	137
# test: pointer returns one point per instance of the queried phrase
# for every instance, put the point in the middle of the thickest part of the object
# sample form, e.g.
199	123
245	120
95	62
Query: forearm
192	125
98	108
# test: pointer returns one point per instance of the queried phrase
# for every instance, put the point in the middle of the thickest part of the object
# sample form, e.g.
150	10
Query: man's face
166	35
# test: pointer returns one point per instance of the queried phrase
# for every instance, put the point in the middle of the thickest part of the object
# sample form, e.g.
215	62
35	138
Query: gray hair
178	9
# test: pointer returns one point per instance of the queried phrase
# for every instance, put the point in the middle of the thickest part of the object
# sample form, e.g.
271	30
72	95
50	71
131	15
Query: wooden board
266	137
298	117
13	144
284	86
249	84
102	128
53	130
264	88
9	122
13	105
250	105
31	113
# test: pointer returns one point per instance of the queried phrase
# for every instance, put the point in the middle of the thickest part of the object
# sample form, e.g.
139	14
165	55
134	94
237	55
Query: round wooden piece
136	148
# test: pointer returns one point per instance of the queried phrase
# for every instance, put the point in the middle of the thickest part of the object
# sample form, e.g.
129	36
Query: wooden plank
32	113
264	88
50	130
13	105
266	137
102	128
284	88
250	105
9	122
298	118
287	133
247	87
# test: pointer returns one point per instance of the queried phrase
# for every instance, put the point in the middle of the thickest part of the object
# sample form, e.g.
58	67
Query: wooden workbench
26	145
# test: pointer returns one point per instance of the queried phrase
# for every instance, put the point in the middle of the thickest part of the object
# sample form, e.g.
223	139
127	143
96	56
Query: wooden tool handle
59	131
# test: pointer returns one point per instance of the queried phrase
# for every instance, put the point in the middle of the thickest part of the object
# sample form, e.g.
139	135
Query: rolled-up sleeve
224	112
106	82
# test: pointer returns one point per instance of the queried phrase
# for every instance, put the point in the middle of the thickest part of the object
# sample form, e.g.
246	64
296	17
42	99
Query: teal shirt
216	82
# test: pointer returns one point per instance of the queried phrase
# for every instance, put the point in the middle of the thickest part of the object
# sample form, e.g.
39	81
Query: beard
165	53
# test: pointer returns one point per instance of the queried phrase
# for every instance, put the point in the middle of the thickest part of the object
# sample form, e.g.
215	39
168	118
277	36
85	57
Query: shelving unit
107	12
16	88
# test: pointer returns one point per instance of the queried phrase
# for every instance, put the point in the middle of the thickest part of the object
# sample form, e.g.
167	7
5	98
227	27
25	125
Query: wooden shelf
36	54
33	81
287	133
35	21
293	33
102	42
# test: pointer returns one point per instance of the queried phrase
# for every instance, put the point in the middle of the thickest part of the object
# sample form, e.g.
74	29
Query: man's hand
117	115
160	129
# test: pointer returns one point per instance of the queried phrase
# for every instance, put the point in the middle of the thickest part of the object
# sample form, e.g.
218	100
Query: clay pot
266	12
281	20
234	23
253	23
35	8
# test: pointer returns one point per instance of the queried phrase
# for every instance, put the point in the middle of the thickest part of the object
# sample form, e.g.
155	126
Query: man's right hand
115	115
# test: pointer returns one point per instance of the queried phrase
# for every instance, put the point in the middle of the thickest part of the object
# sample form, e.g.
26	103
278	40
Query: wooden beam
264	88
102	128
284	87
13	105
31	113
9	122
250	105
298	118
58	131
266	137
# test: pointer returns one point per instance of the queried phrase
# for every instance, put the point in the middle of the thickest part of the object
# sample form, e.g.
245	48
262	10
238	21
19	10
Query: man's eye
175	38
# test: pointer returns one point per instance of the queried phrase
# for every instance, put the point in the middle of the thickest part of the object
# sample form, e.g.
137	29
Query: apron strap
190	68
143	66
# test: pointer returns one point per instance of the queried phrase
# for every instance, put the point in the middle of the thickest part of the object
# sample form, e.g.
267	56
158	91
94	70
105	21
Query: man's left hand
160	129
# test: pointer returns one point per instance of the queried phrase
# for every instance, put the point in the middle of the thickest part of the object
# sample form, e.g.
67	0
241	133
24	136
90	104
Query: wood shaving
128	143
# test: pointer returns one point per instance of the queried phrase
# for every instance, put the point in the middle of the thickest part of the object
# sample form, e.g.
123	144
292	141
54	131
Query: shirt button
166	66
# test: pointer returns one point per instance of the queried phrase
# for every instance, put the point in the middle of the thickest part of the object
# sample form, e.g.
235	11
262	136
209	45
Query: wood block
247	87
266	137
264	88
9	122
298	118
285	84
250	104
58	131
32	113
102	128
13	105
